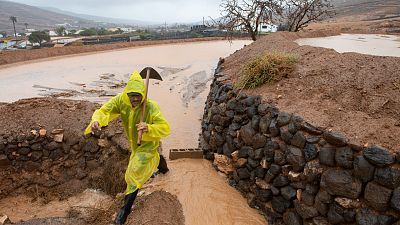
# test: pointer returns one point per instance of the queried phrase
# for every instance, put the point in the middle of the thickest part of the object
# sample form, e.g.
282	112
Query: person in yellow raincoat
144	159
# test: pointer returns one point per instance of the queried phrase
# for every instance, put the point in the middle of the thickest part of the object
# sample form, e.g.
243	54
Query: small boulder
335	138
378	156
341	183
377	197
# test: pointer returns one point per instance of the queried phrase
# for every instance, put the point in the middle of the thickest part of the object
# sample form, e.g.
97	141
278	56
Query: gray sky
145	10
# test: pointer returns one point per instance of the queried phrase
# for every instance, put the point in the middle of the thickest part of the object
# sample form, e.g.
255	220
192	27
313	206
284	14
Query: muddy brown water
370	44
187	71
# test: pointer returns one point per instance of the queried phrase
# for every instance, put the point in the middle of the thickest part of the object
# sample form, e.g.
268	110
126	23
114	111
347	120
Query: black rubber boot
162	166
126	209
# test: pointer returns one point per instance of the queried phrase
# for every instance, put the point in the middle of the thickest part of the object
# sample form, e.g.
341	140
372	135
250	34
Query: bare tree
14	20
246	15
293	15
297	14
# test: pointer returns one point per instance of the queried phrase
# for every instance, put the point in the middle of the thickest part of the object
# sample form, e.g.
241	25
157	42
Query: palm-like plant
14	20
26	25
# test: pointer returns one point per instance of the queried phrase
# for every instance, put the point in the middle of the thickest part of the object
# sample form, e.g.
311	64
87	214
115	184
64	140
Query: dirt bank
355	94
25	55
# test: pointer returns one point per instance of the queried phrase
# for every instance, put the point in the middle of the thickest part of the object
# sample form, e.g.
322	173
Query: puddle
369	44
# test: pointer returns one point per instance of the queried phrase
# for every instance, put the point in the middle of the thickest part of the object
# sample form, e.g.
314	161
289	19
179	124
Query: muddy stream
187	71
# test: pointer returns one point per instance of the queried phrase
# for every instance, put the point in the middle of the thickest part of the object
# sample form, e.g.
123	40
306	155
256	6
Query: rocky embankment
295	172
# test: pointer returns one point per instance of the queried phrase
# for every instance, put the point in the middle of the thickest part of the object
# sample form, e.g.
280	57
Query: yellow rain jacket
144	159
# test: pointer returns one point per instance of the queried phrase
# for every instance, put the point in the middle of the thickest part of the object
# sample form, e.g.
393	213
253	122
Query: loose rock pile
293	171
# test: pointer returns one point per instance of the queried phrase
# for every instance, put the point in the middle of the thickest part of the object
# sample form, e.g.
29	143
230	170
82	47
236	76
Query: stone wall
295	172
48	159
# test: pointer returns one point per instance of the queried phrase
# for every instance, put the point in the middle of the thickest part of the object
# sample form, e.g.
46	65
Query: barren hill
36	18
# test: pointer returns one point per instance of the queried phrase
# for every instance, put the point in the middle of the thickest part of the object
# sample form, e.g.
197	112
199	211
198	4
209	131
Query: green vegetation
60	31
39	37
266	68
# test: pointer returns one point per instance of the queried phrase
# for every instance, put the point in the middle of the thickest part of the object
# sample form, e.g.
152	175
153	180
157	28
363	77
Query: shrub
266	68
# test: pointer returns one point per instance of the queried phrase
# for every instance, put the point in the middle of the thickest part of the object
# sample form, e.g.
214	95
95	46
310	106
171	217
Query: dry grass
266	68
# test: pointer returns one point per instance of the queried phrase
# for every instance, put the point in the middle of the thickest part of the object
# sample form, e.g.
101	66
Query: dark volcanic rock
283	119
244	151
24	151
295	158
306	212
344	157
310	152
279	158
335	214
265	121
307	198
324	197
388	177
286	135
377	196
243	173
378	156
288	193
279	204
292	218
275	169
363	169
335	138
91	146
255	122
273	128
327	156
395	201
320	221
259	141
366	217
247	133
280	181
341	183
299	140
264	195
52	146
258	153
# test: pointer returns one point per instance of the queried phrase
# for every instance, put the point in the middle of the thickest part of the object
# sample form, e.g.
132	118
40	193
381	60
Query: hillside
368	9
362	16
36	18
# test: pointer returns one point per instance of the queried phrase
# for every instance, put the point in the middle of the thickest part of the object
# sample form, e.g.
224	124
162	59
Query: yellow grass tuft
266	68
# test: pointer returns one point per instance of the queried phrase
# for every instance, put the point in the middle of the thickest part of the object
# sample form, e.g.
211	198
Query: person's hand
95	127
142	126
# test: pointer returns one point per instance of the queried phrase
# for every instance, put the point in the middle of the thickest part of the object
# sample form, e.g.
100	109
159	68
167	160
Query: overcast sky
145	10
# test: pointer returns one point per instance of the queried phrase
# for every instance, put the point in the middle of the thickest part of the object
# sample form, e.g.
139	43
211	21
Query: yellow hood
135	84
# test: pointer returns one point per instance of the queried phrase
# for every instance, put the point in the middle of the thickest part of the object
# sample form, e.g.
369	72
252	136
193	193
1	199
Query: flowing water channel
187	71
370	44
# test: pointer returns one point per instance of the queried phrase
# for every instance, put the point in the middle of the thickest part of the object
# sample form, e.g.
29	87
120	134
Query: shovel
147	73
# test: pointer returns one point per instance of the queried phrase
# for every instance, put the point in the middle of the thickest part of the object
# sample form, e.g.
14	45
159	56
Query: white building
267	27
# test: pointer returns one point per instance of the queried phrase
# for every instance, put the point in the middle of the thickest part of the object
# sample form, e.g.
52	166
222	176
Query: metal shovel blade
153	73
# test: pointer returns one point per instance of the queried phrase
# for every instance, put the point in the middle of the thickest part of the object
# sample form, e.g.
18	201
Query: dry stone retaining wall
48	159
293	171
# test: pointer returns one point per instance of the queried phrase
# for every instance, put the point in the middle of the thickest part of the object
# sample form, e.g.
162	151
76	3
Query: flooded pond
370	44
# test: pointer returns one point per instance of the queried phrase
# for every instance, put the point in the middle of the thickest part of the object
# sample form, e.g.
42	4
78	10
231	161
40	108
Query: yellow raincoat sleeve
109	111
159	127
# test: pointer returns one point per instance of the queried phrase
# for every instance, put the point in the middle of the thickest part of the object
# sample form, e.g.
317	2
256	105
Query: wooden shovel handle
140	132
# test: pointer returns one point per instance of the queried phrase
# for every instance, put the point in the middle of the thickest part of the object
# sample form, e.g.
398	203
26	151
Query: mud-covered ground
358	95
76	201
